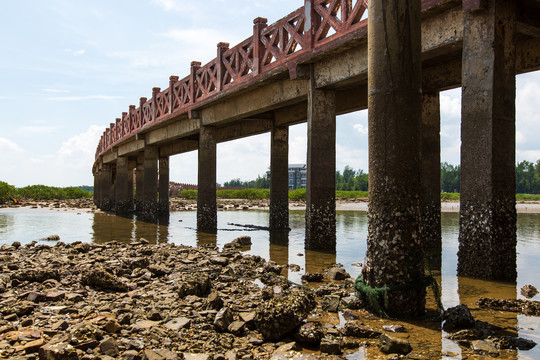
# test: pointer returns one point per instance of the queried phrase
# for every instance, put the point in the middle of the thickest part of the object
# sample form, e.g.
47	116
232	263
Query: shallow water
26	225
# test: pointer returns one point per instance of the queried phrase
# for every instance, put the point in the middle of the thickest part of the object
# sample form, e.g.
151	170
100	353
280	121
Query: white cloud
49	90
5	97
361	129
450	104
8	146
83	98
79	151
75	52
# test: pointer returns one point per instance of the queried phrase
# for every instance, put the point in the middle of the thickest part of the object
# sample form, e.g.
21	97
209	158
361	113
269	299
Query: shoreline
176	204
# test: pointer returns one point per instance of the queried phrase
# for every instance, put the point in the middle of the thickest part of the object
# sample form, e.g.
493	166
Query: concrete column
279	178
321	169
164	186
395	253
139	186
431	178
487	237
124	194
96	196
106	185
150	191
206	199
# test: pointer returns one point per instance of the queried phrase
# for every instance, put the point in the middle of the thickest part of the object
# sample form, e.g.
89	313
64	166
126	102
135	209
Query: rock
237	327
154	315
223	319
109	347
112	326
178	323
394	328
330	303
312	277
238	242
529	291
280	316
30	347
213	301
330	346
392	345
59	351
160	354
130	355
352	302
484	348
197	284
309	334
144	324
354	329
190	356
457	318
36	275
101	279
60	325
51	238
337	273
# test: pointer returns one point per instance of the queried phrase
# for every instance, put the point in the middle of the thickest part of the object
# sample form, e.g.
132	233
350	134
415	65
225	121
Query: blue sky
69	68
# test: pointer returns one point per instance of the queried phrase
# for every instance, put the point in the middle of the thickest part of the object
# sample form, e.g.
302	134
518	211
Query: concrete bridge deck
313	64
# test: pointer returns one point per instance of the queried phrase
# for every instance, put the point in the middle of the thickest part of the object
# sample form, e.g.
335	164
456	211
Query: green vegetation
251	194
351	180
41	192
449	196
528	177
259	183
297	195
450	178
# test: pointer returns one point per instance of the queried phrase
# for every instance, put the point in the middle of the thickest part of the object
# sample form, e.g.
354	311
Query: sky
68	68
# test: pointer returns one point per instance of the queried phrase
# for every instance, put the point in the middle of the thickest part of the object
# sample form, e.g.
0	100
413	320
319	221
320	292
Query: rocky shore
141	301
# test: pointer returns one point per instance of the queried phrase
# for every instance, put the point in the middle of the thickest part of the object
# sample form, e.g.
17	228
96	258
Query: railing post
131	116
173	79
258	47
195	65
125	124
312	23
221	48
155	92
119	128
141	104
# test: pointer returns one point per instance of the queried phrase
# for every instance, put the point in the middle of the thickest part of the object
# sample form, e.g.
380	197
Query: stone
237	327
330	303
356	330
130	355
280	316
144	324
60	325
154	315
392	345
330	346
312	277
31	346
484	348
191	356
457	318
196	284
309	334
352	302
59	351
213	301
99	278
112	326
223	319
109	347
337	273
178	323
529	291
394	328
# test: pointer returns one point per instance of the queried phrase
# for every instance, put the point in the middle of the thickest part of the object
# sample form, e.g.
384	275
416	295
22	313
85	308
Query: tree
525	177
450	177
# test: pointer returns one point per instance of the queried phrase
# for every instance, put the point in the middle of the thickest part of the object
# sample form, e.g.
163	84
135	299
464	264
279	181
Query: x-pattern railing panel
206	80
237	62
162	104
181	94
147	113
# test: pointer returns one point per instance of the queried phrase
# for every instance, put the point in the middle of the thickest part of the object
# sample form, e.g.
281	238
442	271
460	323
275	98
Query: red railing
318	26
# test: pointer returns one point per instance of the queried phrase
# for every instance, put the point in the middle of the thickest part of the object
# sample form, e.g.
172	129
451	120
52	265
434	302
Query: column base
430	230
321	228
148	212
207	219
124	208
279	217
487	240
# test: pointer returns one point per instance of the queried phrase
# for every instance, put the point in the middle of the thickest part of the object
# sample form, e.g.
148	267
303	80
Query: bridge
325	59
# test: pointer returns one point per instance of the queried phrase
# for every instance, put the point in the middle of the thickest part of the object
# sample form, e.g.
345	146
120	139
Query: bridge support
321	169
139	186
279	178
487	238
431	178
106	187
206	198
124	194
395	255
163	186
149	199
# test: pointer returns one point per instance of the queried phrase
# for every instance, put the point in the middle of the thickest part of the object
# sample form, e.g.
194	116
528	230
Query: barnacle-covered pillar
395	256
431	179
163	203
124	194
321	169
139	183
106	187
487	229
149	198
206	198
279	186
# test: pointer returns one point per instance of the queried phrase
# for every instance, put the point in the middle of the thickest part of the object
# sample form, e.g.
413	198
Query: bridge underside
479	45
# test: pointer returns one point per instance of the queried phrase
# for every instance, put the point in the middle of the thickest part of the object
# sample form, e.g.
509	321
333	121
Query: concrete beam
243	129
258	100
528	56
180	128
178	147
110	157
131	148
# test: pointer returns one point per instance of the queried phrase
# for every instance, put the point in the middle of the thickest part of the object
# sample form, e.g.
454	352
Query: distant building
297	176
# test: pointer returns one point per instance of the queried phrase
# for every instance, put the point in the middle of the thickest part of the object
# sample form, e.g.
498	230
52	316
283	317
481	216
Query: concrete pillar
206	199
431	178
106	185
487	236
321	169
163	186
279	178
139	186
124	194
395	253
150	191
96	196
